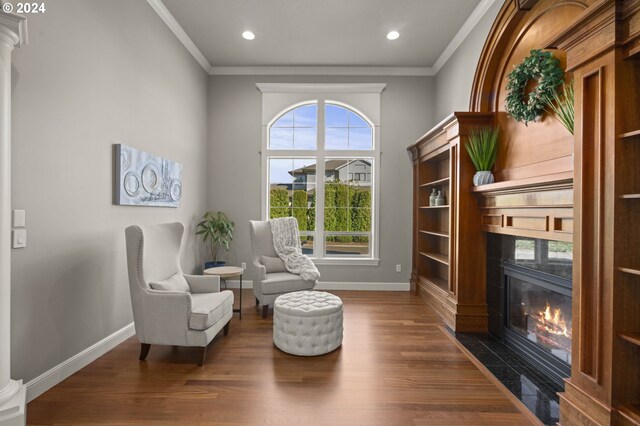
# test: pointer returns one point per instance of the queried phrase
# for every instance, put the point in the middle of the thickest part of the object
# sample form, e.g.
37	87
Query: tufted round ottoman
307	323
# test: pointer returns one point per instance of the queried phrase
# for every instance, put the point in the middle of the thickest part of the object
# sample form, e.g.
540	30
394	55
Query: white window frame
363	99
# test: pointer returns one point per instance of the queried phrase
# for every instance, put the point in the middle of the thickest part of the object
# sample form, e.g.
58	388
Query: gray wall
81	86
453	81
94	73
234	179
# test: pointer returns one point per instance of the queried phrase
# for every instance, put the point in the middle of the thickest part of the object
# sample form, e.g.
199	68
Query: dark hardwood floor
396	366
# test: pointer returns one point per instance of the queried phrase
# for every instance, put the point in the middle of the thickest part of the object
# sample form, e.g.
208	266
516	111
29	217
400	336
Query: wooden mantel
534	208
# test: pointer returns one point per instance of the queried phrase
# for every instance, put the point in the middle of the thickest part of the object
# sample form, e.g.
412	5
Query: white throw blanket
286	241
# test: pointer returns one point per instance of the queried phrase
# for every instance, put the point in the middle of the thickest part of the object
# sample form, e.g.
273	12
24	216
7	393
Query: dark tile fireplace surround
528	347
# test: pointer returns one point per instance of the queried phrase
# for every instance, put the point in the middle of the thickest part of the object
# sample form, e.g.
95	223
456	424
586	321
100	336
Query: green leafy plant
563	107
216	230
347	208
483	147
540	66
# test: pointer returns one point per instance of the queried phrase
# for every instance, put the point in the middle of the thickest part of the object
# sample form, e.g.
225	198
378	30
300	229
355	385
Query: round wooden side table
225	272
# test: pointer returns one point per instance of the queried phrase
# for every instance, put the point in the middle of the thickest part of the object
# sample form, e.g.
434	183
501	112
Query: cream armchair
273	280
170	307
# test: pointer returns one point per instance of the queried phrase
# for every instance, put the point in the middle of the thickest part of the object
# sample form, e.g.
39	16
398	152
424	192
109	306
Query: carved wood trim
591	226
593	33
526	4
506	20
572	408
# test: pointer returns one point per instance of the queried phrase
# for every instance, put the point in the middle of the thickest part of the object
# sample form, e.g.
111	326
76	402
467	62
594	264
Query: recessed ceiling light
248	35
393	35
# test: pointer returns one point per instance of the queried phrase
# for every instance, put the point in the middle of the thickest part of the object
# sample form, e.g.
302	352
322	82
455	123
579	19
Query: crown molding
14	28
321	88
455	43
180	33
322	70
462	33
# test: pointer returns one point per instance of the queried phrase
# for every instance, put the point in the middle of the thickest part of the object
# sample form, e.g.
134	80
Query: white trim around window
364	99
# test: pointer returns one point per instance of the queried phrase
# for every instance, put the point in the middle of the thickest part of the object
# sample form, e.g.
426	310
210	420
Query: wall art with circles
144	179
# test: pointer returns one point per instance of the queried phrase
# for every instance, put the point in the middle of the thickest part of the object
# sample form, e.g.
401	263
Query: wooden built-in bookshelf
434	174
626	283
443	264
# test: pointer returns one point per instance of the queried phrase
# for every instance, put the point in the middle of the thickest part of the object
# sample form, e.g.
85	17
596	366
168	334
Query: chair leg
225	330
202	353
144	351
265	310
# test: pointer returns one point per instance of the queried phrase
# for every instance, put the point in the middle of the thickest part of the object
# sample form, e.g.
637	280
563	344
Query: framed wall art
144	179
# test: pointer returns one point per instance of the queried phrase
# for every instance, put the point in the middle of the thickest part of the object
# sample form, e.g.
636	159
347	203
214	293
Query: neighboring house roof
329	166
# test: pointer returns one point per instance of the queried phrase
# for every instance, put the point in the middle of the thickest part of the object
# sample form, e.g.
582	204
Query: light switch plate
19	218
19	238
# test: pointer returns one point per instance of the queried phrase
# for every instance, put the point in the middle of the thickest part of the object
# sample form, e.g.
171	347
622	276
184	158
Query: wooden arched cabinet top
514	33
544	147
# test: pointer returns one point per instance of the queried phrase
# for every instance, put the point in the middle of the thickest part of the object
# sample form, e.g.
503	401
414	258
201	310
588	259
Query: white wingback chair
188	310
271	284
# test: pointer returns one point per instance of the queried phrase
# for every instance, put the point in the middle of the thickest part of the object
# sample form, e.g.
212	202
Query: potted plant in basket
483	149
216	230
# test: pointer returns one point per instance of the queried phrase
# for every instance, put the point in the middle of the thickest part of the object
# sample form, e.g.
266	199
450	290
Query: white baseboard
335	285
362	286
57	374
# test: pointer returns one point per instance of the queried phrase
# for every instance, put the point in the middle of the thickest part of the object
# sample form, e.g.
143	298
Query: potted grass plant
217	231
483	149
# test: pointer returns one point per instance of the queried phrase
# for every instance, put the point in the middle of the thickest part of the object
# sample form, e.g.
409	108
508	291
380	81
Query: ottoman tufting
307	323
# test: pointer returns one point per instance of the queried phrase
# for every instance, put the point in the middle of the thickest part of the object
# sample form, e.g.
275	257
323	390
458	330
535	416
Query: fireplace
538	319
529	299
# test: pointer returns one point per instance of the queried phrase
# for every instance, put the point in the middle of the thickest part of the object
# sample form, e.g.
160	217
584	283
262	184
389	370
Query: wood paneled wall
542	148
598	41
601	47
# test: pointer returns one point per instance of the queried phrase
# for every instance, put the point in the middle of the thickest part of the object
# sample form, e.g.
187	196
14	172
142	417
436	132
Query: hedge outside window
336	210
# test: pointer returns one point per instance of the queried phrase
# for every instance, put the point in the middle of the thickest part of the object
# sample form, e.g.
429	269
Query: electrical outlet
244	265
398	268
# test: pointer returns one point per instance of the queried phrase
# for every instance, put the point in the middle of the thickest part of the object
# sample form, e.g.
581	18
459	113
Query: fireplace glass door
542	316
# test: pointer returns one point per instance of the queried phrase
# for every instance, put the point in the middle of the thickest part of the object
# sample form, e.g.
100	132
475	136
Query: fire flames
553	323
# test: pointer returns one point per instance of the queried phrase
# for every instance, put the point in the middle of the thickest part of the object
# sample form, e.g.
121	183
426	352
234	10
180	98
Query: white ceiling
324	33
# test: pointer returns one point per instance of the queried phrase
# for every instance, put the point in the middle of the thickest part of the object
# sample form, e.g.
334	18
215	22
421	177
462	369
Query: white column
12	33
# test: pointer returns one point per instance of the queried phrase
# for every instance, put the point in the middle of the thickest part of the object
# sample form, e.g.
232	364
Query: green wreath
541	66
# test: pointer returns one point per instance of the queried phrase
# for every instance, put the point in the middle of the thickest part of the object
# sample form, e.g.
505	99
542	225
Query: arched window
346	129
295	129
321	160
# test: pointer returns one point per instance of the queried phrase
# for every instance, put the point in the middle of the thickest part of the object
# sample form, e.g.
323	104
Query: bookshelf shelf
438	257
436	234
631	337
629	135
435	182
